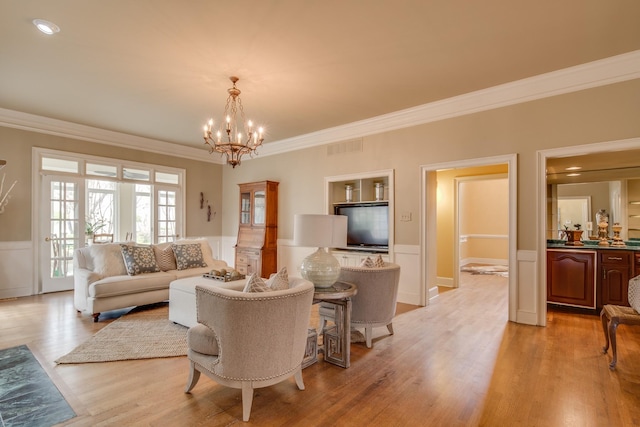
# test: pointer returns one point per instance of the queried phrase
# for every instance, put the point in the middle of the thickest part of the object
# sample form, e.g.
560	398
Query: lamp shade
321	231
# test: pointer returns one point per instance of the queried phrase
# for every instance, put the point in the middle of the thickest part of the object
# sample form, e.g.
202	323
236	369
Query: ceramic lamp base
320	268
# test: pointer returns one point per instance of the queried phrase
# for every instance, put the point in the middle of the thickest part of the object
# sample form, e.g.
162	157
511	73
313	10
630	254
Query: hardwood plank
457	362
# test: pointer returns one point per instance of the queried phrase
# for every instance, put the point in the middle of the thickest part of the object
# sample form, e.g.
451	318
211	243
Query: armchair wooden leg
390	328
247	400
95	317
298	377
194	376
613	325
368	332
605	329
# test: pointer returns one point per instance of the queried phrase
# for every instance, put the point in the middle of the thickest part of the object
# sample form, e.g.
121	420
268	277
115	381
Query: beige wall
590	116
16	146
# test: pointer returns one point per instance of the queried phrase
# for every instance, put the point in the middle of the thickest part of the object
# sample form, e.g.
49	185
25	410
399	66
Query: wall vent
344	147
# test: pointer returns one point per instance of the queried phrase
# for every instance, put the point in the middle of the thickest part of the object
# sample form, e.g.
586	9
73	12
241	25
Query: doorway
429	224
481	225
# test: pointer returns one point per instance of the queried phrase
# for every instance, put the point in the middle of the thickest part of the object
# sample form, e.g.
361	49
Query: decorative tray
225	278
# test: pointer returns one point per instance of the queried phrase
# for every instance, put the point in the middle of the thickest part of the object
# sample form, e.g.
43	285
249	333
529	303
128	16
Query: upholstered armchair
375	303
249	340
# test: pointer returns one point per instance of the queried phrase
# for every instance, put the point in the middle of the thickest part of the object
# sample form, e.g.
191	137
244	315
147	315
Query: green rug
27	395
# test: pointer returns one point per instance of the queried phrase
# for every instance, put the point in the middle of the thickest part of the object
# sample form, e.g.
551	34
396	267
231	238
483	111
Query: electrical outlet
405	216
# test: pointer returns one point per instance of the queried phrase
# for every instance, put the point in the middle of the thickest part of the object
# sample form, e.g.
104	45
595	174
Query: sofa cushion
125	285
165	257
139	259
107	259
202	339
188	256
367	263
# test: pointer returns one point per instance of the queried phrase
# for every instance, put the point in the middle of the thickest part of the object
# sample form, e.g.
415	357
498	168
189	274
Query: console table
336	340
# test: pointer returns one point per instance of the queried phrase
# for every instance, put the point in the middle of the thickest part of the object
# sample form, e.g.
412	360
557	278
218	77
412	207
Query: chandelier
228	139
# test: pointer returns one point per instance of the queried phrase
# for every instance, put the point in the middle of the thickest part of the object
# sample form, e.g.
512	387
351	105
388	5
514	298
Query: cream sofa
102	283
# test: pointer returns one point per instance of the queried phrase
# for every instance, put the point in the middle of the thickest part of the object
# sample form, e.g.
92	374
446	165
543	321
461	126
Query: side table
336	340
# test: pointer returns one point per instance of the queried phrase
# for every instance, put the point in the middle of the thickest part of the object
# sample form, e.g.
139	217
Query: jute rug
144	333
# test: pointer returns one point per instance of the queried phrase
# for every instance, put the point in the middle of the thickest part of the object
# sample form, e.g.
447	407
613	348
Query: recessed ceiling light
46	26
573	168
573	174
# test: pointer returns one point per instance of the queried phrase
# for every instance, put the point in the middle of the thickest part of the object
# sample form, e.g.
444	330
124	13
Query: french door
61	230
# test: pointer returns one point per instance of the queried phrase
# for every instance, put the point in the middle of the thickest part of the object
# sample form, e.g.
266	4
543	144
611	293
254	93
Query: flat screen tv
367	225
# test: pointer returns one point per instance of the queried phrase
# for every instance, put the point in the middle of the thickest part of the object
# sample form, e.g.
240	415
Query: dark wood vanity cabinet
571	278
615	268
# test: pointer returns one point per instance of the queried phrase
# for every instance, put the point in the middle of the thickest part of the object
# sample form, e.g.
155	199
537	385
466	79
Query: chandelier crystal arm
234	147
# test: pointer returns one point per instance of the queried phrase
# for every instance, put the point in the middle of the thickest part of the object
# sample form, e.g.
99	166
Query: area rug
28	397
143	334
498	270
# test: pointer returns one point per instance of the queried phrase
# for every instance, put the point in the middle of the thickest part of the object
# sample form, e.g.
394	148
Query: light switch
405	216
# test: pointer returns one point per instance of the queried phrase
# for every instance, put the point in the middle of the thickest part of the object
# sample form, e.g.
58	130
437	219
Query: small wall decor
201	200
208	213
4	199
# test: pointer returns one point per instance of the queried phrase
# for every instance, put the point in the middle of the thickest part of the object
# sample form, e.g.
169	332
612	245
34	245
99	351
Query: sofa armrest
82	278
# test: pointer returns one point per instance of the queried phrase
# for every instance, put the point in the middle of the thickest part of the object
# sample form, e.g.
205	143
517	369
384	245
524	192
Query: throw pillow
139	259
165	257
107	260
202	339
379	262
207	254
367	263
279	281
188	256
255	283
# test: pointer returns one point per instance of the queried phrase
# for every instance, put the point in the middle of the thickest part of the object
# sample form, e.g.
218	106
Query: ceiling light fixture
231	144
46	27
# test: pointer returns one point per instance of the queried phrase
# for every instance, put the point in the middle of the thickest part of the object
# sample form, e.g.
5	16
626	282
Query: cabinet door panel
571	278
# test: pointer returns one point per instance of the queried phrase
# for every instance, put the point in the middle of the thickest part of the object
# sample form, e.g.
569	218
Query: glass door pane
62	228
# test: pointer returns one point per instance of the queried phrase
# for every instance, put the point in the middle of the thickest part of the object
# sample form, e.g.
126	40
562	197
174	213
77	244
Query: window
132	201
100	207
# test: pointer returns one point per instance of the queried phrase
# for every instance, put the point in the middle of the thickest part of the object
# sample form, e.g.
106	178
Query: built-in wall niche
359	190
363	188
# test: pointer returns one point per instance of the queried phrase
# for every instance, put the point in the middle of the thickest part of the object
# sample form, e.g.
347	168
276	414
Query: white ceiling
160	68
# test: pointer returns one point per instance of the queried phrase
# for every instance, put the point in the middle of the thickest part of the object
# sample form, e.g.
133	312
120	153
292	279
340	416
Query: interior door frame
428	222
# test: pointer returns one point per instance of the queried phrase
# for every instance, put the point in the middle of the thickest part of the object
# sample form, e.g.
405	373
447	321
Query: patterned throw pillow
255	283
367	263
379	262
188	256
165	257
139	259
279	281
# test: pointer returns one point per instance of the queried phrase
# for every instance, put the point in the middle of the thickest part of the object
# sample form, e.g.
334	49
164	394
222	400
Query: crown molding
585	76
603	72
46	125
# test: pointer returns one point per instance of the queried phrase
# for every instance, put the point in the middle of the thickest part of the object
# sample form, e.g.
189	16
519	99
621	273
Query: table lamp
321	231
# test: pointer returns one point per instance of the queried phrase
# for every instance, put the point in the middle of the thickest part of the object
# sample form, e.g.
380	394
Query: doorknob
47	239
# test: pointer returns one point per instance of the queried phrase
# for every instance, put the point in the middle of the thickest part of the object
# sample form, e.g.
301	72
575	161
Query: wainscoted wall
528	291
16	270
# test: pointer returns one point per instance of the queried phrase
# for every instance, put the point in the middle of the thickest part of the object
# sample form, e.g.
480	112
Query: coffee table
336	340
182	297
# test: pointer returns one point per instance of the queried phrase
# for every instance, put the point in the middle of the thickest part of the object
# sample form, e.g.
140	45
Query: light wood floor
458	362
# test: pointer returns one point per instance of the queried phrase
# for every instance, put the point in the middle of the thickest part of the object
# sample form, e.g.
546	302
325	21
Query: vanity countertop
593	245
